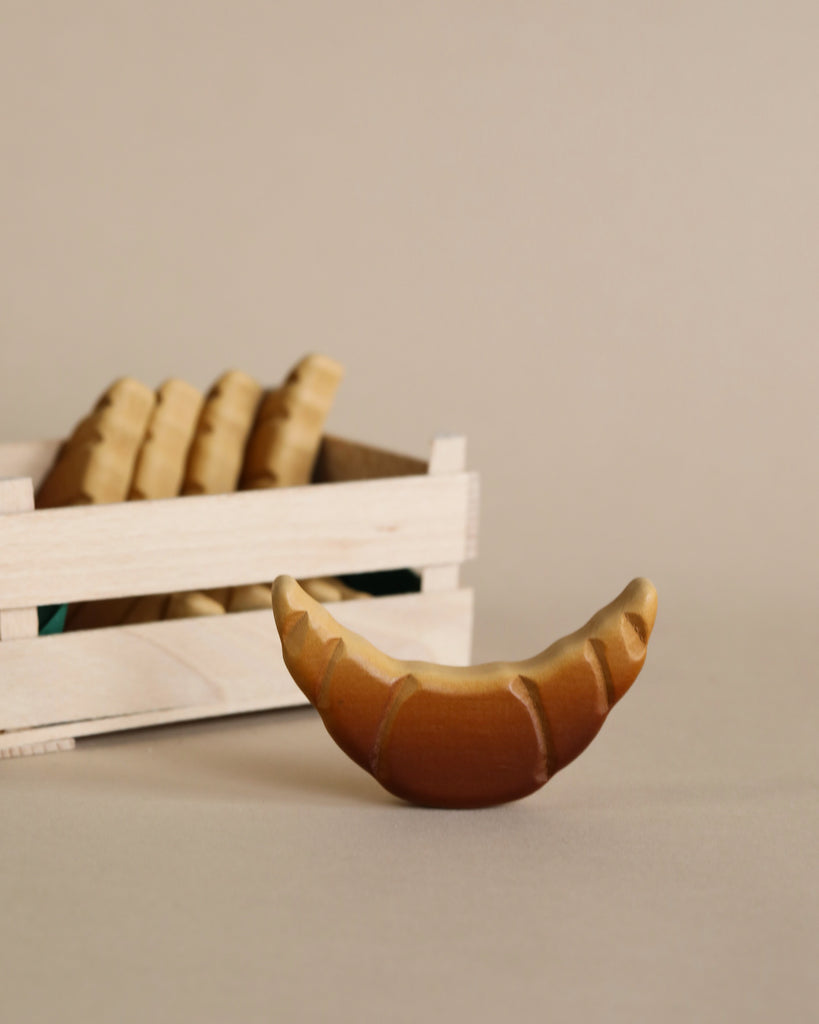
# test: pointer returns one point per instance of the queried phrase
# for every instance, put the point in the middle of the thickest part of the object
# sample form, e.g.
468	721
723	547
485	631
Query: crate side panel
199	667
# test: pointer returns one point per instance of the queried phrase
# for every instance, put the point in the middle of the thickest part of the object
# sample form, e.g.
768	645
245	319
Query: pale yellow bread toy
284	444
464	737
323	588
147	608
286	436
217	452
95	466
328	588
96	463
160	468
196	602
215	464
159	471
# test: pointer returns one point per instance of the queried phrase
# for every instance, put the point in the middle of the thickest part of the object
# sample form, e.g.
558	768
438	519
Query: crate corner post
17	495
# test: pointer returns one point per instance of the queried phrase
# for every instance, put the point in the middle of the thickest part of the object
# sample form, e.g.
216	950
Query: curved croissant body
464	737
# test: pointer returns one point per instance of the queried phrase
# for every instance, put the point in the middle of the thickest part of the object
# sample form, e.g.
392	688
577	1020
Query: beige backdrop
585	235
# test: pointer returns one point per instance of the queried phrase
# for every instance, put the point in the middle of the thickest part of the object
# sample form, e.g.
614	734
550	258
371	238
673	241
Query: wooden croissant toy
443	736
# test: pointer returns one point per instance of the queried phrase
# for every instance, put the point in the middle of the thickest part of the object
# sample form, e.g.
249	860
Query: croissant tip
642	600
284	594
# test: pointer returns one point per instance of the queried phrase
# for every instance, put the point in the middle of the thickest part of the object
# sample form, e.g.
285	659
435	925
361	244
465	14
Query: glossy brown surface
464	737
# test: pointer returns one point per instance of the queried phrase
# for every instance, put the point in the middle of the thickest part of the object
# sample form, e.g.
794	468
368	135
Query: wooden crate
368	510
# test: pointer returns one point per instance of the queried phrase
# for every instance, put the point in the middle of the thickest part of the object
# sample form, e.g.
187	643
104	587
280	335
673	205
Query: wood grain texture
17	495
77	684
447	456
449	736
72	554
339	460
55	688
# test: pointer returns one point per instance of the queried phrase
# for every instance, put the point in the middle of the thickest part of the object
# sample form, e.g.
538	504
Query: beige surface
586	237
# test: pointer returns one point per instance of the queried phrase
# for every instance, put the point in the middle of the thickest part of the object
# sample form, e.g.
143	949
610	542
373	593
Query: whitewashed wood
27	458
447	456
202	668
196	543
103	680
17	495
440	577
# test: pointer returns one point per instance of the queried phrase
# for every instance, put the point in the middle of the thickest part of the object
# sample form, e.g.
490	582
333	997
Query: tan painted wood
17	495
214	464
160	463
284	442
73	554
96	463
78	684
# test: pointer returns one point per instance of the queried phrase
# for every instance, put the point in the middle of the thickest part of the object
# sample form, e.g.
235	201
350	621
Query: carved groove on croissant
464	737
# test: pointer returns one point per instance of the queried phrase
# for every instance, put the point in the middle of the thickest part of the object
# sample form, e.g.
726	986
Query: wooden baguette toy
96	463
254	596
159	471
217	452
286	436
329	588
463	737
214	466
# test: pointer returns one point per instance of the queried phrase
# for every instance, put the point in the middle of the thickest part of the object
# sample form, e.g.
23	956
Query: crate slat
17	495
368	510
99	551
